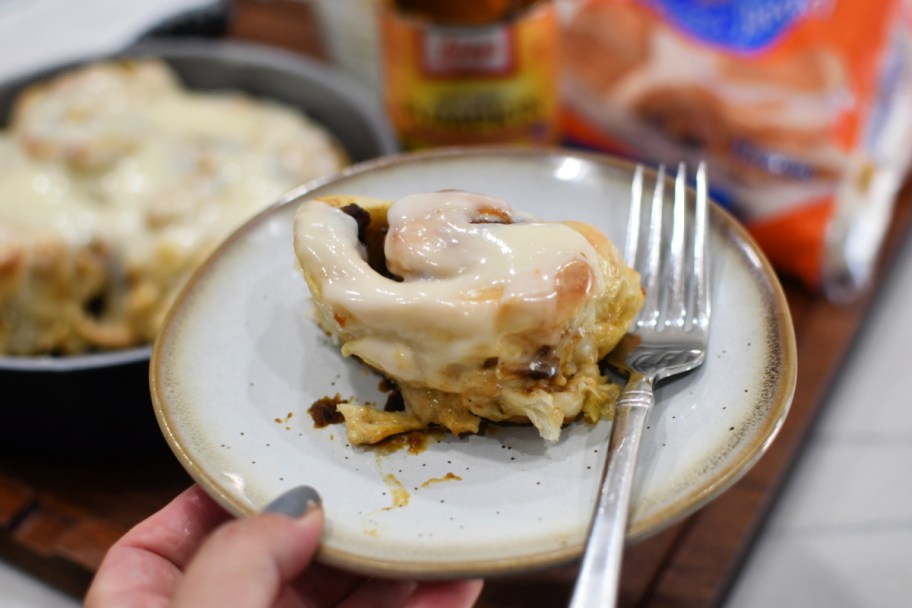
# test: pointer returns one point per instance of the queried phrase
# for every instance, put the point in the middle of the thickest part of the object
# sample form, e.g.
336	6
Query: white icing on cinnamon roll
487	314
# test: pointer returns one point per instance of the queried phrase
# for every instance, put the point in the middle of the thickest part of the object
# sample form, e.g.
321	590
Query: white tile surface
841	536
863	569
39	33
19	590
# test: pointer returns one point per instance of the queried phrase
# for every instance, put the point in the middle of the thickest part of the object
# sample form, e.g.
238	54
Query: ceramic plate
241	359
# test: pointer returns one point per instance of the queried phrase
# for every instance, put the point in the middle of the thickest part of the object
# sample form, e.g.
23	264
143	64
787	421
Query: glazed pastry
115	183
474	311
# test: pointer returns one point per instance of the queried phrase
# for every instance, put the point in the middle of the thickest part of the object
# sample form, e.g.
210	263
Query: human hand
193	553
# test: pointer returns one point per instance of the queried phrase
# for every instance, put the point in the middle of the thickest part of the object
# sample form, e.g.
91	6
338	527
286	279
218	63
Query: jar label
467	51
461	85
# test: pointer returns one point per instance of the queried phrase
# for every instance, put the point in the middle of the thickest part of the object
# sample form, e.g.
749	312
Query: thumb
246	562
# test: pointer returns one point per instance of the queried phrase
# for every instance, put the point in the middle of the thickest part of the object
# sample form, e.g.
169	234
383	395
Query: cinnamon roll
475	311
116	181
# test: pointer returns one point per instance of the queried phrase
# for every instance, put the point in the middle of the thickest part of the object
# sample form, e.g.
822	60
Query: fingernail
295	502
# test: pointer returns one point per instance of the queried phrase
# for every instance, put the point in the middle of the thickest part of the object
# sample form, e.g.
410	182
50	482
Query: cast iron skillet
99	403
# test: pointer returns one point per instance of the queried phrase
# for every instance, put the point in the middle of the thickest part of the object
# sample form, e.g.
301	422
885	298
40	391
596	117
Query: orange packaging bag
802	109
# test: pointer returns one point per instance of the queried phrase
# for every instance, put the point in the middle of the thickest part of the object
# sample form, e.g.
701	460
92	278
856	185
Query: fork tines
666	243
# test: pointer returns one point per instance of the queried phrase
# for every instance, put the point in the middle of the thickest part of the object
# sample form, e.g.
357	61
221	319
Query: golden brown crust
45	283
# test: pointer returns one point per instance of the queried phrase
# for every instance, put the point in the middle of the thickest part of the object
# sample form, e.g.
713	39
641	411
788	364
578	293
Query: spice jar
459	73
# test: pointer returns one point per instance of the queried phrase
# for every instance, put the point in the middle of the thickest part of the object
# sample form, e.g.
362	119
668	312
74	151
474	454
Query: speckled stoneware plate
240	360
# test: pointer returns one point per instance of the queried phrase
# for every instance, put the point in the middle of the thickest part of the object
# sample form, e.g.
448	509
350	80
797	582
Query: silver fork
670	337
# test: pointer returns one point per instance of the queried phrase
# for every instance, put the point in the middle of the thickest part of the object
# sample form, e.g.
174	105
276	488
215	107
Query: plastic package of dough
804	120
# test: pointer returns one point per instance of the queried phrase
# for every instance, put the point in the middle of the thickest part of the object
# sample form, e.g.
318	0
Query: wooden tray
58	516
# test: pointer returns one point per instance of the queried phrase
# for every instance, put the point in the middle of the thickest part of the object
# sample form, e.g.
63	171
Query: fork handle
597	582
